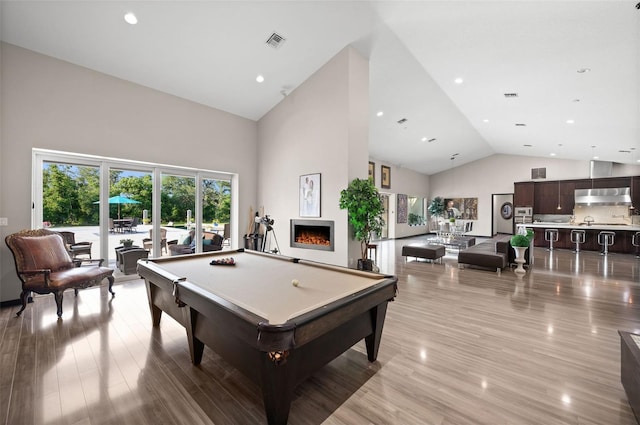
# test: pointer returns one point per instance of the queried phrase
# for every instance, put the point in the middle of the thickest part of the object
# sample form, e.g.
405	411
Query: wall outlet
4	221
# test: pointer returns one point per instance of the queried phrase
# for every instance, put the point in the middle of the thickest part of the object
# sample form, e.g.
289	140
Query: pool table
254	317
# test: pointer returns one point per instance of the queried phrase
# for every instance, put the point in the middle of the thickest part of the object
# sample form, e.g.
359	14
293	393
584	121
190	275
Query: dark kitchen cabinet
523	194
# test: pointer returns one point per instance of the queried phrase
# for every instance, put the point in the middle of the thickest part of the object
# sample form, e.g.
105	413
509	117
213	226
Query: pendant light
558	207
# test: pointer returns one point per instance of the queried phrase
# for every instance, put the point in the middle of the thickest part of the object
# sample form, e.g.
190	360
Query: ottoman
429	252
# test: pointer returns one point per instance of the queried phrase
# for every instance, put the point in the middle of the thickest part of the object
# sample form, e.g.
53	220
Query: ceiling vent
402	121
538	173
519	124
510	95
275	40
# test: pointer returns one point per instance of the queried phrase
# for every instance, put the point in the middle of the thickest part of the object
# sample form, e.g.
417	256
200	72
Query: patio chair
75	248
210	242
44	266
132	226
113	227
148	242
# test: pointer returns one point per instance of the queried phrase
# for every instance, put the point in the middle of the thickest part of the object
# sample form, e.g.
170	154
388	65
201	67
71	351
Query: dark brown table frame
279	357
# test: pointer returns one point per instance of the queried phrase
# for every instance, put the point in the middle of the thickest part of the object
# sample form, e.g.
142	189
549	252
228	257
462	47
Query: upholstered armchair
44	266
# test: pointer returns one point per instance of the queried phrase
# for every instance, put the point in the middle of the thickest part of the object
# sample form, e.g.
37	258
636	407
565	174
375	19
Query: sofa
211	241
494	254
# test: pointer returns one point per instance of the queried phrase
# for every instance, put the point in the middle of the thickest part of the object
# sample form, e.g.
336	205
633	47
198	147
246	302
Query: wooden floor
460	346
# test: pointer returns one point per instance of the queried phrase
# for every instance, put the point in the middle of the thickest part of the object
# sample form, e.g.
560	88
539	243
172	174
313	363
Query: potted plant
364	208
127	243
520	242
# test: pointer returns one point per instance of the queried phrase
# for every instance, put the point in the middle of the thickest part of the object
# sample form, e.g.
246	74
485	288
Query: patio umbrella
120	199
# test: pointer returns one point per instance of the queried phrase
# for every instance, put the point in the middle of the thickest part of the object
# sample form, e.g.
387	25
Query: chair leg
24	296
75	291
111	279
58	297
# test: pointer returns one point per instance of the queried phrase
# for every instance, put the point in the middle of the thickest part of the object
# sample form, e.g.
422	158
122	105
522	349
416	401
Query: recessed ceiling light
485	120
259	78
424	139
552	154
130	18
596	157
458	80
570	122
380	113
583	70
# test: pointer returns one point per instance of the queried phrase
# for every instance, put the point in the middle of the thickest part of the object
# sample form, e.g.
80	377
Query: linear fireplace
312	234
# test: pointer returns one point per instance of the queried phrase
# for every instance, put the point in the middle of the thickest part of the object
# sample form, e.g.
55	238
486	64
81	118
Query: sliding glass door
107	202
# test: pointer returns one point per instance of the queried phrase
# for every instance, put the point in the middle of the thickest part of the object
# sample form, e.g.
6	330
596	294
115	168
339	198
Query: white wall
406	182
51	104
321	127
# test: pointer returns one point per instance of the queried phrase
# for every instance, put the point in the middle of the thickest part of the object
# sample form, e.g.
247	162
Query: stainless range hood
602	197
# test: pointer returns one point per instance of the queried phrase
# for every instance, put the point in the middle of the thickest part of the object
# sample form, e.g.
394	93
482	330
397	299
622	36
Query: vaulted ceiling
538	78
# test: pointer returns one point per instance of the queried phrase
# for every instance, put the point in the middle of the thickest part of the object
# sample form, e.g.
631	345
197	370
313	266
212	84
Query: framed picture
310	195
402	208
372	171
385	183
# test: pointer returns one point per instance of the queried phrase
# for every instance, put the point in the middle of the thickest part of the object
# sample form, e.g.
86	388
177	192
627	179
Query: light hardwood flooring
460	346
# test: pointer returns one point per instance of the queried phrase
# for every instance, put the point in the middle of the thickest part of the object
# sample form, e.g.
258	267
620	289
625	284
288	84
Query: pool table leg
156	312
373	341
196	347
277	389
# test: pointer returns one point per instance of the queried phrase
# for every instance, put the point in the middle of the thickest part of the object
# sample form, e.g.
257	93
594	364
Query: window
107	200
417	212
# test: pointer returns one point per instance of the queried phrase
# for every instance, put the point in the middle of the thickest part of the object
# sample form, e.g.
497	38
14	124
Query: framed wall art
309	188
464	208
402	209
372	171
385	183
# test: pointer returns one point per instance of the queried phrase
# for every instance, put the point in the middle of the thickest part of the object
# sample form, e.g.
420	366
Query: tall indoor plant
364	208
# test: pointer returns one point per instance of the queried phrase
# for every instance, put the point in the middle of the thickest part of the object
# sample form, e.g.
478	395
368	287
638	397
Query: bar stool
577	237
372	248
606	239
551	236
635	241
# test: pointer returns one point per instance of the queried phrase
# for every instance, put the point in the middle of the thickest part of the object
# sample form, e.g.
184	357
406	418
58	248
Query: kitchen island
623	235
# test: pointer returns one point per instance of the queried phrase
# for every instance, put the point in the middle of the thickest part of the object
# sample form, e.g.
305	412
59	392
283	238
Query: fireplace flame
312	238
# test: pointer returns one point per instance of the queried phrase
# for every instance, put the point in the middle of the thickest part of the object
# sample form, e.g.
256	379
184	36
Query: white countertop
594	226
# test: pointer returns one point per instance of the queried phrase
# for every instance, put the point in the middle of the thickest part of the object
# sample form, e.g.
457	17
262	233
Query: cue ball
295	282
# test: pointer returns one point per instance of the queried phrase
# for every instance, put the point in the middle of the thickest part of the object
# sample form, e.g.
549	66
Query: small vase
520	260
